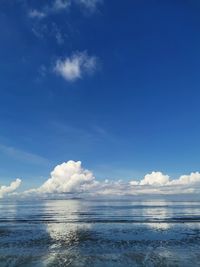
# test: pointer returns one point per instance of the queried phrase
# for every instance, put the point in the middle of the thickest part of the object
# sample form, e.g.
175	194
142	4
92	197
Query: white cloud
34	13
74	67
193	178
4	190
67	177
155	178
160	179
158	183
89	4
61	5
71	178
57	6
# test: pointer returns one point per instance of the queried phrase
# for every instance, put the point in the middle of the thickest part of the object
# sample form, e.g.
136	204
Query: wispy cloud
87	133
76	66
50	30
22	155
34	13
57	6
62	5
91	5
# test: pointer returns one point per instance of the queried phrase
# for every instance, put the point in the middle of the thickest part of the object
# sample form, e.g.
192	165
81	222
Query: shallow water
99	233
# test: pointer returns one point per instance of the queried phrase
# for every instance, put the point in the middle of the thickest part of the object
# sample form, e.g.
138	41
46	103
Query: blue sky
130	107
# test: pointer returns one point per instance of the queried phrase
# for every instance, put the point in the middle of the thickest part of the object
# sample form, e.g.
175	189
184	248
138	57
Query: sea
99	233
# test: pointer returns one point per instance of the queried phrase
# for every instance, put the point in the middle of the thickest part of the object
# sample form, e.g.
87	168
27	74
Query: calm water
99	233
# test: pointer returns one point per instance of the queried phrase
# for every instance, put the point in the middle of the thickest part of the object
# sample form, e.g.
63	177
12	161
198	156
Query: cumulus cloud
75	66
159	183
4	190
154	178
160	179
67	177
71	178
193	178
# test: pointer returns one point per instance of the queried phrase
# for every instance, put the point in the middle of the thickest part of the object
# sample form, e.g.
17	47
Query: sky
112	84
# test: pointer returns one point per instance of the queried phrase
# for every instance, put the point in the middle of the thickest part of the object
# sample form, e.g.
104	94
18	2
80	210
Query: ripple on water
78	233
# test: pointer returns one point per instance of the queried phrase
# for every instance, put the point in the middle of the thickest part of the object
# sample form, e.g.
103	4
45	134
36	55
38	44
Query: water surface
99	233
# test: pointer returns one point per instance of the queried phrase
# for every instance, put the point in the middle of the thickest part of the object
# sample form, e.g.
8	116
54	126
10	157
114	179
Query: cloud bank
4	190
71	178
159	179
75	66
